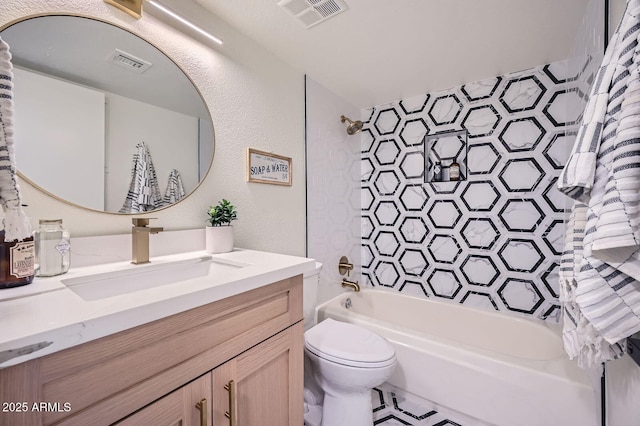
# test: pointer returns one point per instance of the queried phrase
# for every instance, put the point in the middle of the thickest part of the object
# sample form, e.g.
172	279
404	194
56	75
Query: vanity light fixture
183	20
132	7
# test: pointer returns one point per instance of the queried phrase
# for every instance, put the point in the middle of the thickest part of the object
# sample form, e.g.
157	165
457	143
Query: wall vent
313	12
129	61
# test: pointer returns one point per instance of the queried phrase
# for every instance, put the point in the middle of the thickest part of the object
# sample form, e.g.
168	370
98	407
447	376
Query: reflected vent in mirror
313	12
129	61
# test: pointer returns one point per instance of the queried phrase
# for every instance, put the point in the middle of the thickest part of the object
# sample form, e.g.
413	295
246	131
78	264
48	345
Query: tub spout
351	284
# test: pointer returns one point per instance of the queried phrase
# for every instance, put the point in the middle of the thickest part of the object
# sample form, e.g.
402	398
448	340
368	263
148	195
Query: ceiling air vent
313	12
129	61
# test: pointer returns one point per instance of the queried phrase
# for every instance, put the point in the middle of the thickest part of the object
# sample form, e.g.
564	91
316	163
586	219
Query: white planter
219	239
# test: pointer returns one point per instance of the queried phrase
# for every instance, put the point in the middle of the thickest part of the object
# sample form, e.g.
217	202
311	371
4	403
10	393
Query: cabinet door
262	386
189	405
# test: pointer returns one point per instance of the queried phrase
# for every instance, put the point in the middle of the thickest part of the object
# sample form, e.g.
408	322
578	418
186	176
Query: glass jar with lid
53	248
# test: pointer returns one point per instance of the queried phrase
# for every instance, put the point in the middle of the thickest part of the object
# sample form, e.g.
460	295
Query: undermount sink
115	283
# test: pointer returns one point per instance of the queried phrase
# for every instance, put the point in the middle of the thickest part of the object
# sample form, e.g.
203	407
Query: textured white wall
255	101
333	179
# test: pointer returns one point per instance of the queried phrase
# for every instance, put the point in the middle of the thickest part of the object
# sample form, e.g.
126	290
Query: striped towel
144	192
175	190
577	177
603	174
582	341
16	223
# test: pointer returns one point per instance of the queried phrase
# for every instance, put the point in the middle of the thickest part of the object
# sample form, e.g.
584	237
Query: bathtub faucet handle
344	266
351	284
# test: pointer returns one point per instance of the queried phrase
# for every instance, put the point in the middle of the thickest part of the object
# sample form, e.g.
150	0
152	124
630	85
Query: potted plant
219	232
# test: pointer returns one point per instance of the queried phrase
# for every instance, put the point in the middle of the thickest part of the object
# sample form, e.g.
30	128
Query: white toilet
347	362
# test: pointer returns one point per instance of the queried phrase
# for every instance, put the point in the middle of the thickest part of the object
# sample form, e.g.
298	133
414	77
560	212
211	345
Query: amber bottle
17	261
454	171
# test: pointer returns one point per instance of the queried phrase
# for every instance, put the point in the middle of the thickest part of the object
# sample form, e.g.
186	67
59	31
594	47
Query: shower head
354	126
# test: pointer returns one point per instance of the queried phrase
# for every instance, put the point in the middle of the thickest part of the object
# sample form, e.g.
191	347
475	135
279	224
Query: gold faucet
351	284
140	239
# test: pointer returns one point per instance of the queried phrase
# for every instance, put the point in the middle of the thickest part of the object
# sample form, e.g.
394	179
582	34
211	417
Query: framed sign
265	167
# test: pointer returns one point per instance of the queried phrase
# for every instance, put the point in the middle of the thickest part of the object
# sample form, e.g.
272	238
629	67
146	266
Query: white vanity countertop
46	316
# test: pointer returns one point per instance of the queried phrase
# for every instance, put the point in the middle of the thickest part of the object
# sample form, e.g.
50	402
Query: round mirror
103	119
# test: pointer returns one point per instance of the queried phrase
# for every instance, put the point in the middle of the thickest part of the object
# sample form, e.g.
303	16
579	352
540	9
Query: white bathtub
499	368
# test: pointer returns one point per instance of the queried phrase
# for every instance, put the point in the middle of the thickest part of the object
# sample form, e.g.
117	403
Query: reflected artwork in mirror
102	117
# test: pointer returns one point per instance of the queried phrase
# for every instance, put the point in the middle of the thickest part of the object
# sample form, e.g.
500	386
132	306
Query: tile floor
392	406
396	407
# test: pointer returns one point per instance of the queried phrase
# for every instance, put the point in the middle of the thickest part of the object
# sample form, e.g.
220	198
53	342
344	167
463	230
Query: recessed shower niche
446	159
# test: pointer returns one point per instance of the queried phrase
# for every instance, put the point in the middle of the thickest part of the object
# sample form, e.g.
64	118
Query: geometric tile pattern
393	406
522	134
521	175
512	97
481	121
492	240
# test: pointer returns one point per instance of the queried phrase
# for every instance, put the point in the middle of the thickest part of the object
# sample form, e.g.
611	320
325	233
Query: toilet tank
310	281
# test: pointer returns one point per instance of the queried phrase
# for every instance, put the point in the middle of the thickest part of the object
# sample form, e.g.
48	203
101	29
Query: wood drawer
107	379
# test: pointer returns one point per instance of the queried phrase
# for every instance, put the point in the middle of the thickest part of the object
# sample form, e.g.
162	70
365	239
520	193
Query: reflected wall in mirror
86	94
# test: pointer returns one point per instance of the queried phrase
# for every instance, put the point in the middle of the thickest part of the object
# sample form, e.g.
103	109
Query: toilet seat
349	344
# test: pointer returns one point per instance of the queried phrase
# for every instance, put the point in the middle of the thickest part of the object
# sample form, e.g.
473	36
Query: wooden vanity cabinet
242	354
182	407
260	387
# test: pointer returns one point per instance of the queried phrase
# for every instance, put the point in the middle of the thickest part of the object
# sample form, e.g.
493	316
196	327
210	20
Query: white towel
144	192
175	189
16	223
603	172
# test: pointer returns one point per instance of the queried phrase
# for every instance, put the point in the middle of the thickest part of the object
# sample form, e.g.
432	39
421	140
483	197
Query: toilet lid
349	344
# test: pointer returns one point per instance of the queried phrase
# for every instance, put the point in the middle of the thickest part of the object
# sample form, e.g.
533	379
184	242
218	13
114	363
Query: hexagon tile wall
494	240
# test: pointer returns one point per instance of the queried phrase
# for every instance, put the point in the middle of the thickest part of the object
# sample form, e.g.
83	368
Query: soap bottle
446	164
437	172
454	171
16	262
53	248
